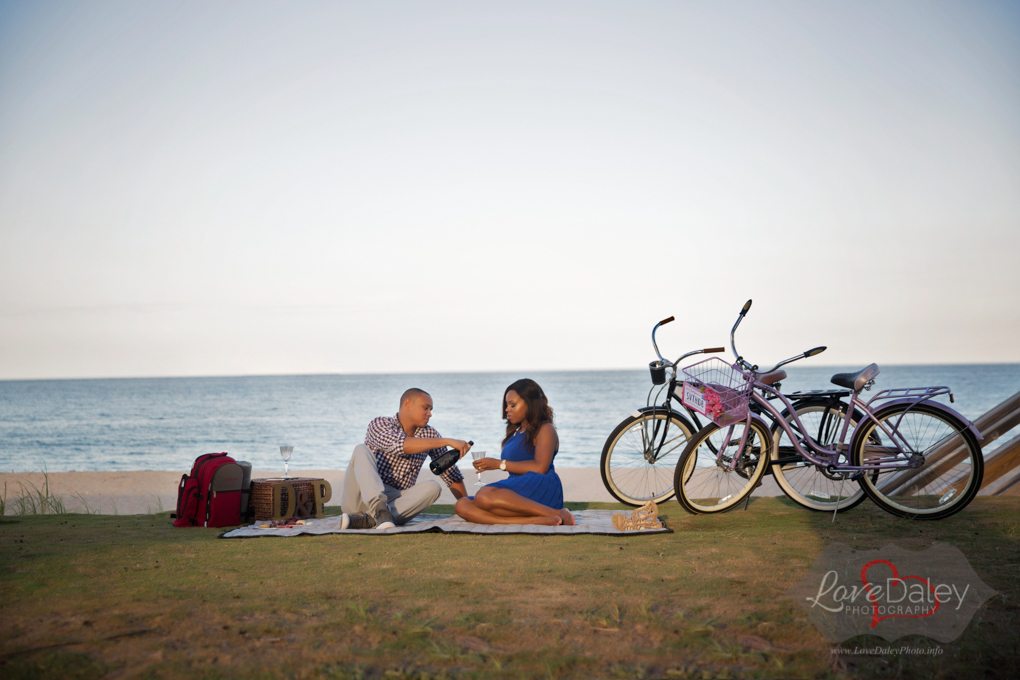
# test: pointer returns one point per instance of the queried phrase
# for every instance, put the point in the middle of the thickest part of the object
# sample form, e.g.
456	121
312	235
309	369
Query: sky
234	188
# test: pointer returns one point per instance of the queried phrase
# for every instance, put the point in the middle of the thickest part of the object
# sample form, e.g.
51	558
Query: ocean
164	423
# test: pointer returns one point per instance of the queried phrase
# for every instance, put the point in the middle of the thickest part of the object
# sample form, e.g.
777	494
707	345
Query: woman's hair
539	411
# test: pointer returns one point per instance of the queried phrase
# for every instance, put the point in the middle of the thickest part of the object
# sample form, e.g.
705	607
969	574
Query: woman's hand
483	464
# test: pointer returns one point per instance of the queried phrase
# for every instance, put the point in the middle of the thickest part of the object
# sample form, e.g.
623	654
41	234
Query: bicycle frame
652	453
819	455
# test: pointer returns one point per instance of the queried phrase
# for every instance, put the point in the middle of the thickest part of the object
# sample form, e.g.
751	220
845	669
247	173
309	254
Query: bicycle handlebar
733	342
745	364
655	344
663	361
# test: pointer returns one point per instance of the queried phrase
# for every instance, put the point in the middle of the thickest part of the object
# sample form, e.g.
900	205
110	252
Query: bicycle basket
717	390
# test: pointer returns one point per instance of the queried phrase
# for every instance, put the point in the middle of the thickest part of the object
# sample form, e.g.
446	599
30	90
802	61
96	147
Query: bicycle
641	452
912	456
640	455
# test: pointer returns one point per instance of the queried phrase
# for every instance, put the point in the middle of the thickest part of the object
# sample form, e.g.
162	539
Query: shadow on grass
51	663
988	534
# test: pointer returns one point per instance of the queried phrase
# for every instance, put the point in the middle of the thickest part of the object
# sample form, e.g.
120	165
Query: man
379	485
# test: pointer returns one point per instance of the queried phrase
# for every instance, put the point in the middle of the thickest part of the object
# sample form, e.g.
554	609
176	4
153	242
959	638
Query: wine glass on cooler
285	452
478	455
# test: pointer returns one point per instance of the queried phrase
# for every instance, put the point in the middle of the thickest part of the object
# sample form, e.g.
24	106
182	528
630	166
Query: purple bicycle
914	457
640	455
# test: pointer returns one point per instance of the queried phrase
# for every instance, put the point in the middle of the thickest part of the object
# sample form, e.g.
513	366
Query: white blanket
588	522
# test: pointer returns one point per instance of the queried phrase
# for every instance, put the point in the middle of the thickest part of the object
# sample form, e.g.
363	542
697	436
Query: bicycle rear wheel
950	472
705	482
801	480
641	453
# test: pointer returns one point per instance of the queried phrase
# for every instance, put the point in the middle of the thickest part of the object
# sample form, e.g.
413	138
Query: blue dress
545	489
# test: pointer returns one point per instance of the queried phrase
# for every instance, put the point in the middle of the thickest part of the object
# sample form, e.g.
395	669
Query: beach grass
88	595
32	500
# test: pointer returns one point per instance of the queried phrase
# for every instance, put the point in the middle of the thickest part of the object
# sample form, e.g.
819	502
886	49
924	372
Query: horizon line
463	372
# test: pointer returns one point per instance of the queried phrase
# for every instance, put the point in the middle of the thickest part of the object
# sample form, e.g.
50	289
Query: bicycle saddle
856	381
772	377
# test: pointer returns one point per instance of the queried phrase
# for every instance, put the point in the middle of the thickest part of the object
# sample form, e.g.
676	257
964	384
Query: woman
533	493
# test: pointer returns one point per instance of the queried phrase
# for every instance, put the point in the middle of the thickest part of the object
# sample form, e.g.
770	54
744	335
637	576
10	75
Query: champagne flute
478	455
285	452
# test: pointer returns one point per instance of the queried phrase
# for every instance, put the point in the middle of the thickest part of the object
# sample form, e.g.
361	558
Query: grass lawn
89	596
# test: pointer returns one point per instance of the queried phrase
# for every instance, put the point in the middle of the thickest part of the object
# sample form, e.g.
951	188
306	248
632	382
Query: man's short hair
412	393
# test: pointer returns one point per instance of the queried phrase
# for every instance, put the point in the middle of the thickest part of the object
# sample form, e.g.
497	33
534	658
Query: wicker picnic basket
261	501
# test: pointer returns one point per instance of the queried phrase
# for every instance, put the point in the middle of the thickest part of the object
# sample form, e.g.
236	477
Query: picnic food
645	517
288	523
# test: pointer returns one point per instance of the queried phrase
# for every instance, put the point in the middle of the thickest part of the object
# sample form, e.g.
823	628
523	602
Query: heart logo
875	618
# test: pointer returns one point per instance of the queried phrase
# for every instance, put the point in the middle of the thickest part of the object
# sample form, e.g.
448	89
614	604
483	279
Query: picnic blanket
588	522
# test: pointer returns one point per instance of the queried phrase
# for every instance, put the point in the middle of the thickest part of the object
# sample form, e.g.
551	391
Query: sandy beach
141	492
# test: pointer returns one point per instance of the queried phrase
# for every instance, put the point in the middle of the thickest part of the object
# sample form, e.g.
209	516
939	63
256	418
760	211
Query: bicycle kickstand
748	501
841	483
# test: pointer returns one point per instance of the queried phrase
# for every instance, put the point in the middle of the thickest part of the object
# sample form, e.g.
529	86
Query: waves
164	423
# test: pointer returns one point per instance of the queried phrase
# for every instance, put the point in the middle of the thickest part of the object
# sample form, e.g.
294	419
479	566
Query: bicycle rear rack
920	393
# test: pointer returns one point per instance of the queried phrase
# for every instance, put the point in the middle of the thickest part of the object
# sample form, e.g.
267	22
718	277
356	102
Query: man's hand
414	445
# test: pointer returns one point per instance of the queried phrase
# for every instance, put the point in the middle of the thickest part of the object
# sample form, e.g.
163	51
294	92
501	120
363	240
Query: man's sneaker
383	518
358	521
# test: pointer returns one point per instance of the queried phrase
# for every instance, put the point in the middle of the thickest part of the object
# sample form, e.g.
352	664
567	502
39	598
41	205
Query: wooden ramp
1002	461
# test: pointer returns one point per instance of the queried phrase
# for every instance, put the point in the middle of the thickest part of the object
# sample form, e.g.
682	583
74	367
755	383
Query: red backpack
211	495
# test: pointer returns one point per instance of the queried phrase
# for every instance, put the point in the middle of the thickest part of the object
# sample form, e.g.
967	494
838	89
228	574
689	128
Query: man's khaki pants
364	490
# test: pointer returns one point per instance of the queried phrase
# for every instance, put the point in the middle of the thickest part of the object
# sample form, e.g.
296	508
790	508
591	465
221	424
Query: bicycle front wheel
640	455
802	481
951	464
713	475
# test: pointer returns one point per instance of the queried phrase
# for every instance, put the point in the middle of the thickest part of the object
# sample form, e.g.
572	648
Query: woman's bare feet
568	519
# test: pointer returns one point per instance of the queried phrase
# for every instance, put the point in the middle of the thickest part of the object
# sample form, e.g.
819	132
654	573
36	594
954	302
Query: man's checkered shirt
385	437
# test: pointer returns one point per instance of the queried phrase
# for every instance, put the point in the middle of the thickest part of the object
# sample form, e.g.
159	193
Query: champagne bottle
446	461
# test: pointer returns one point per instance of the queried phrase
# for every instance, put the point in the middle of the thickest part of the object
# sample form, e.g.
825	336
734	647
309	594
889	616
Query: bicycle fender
933	404
646	409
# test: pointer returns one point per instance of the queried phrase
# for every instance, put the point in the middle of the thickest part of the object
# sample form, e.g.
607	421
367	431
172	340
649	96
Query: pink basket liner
717	390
